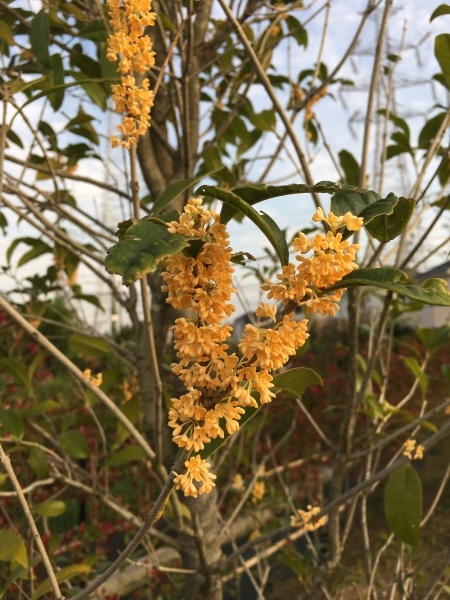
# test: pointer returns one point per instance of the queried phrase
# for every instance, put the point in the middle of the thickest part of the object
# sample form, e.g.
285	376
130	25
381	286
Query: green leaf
38	248
430	129
295	381
93	89
11	420
74	443
350	167
6	33
39	37
265	223
62	575
432	291
50	508
88	346
13	137
12	547
388	226
434	338
413	365
442	53
17	370
140	250
38	462
403	504
297	31
443	9
265	120
56	76
176	188
124	456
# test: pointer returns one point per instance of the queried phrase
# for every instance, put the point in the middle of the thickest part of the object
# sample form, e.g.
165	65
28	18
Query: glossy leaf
403	504
12	548
265	223
432	291
390	225
140	250
50	508
74	443
62	575
295	381
442	53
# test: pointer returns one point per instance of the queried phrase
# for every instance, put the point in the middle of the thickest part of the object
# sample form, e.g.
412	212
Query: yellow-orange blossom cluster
220	384
133	48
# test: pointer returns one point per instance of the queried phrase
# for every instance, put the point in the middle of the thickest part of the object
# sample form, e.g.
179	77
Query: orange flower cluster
129	18
329	259
220	384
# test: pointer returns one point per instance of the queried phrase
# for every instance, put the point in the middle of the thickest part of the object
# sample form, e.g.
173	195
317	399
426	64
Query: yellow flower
129	44
308	518
412	450
258	491
197	470
94	379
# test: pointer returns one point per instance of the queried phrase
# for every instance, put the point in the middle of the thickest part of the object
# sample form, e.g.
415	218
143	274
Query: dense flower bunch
329	259
219	383
133	48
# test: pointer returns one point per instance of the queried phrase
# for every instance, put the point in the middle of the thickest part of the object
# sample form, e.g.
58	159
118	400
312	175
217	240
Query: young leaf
50	508
140	250
403	504
12	547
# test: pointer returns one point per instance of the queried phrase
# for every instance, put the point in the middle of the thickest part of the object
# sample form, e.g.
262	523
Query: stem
146	307
4	458
372	91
